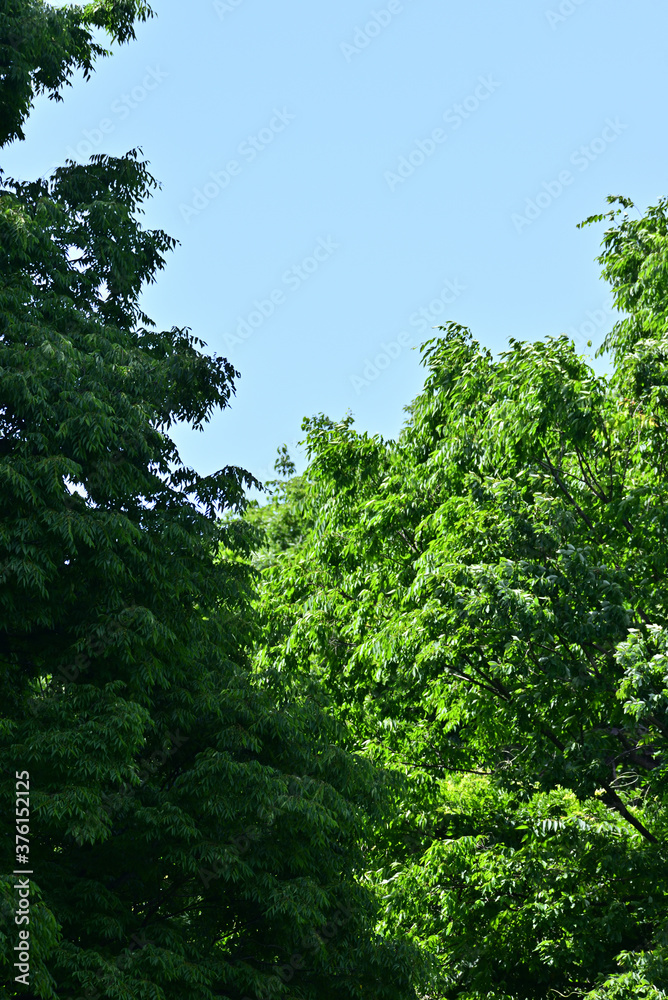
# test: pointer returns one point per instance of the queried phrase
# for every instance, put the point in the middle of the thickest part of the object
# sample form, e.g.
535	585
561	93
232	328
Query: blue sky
344	176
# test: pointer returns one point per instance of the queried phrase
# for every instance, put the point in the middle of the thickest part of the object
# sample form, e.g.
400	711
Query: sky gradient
342	177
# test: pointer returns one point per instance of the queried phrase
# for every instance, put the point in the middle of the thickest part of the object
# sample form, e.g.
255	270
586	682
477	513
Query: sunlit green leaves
486	596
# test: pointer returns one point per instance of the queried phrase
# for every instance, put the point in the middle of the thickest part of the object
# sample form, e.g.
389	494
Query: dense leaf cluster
190	838
401	732
483	602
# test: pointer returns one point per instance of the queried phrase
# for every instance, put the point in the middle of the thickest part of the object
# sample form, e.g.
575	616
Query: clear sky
344	176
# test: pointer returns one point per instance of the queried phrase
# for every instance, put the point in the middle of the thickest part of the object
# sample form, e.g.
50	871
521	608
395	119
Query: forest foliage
483	603
189	839
398	733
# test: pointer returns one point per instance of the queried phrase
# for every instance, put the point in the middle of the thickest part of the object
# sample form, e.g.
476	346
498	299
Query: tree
188	838
484	601
41	46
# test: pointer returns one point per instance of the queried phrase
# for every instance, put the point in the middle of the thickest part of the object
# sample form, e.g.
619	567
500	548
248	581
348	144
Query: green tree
189	839
484	602
41	47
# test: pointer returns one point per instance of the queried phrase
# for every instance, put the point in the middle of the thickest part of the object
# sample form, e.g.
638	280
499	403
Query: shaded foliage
190	839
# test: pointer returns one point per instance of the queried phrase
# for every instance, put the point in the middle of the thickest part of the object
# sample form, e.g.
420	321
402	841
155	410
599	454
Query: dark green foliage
41	46
189	838
484	601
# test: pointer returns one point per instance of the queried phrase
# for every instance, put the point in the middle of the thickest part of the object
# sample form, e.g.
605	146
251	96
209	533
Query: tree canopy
398	734
189	838
483	601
